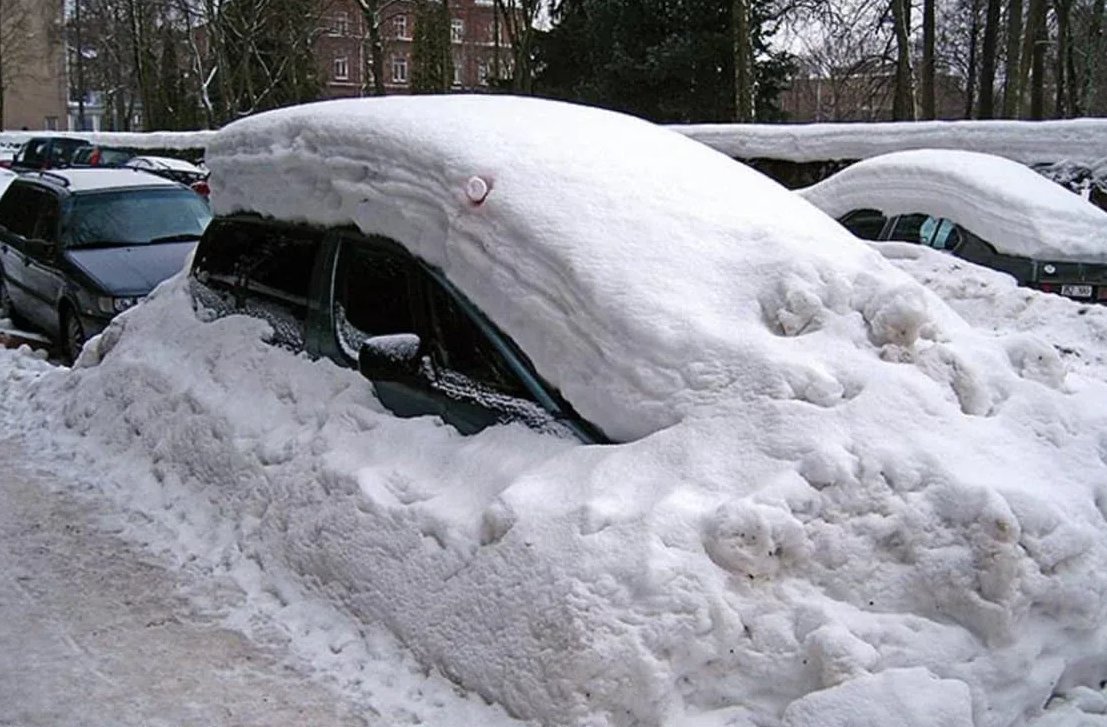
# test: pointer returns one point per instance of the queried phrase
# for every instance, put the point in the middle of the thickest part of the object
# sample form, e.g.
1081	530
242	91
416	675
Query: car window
946	236
379	289
49	214
19	209
33	152
259	269
464	359
913	228
135	216
866	224
372	295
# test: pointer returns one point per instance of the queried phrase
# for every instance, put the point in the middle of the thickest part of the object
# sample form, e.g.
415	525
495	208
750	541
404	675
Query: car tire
74	335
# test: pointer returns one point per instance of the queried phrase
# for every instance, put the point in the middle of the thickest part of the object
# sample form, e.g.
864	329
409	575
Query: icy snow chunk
754	540
905	697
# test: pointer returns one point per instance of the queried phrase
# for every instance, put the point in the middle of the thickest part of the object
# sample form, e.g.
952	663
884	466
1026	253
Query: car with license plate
987	210
79	246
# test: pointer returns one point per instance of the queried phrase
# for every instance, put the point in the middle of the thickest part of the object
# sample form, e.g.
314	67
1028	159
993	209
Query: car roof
94	179
1008	204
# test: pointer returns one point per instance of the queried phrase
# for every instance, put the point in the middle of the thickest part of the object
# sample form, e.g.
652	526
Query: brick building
863	96
343	51
35	86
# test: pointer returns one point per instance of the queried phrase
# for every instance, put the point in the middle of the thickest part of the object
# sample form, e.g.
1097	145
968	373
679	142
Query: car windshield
136	217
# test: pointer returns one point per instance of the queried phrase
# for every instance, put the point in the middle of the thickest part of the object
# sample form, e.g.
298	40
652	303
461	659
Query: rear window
135	217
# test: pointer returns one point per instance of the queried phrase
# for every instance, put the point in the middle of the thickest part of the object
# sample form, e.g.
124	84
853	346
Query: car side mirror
393	357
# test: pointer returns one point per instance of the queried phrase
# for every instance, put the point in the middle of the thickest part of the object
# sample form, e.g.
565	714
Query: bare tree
903	106
988	61
926	68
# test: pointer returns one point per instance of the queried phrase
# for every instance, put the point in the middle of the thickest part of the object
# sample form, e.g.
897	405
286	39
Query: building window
340	24
457	71
50	123
399	24
482	73
399	69
457	30
341	69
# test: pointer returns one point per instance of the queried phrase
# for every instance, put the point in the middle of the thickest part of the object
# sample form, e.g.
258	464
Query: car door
44	279
466	371
18	217
261	269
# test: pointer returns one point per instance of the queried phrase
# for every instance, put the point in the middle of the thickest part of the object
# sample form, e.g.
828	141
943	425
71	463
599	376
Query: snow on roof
1005	203
97	178
1078	140
130	139
624	258
178	165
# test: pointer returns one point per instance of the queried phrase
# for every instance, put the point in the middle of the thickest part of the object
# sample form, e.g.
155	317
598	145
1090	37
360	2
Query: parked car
196	177
79	246
986	209
101	156
46	152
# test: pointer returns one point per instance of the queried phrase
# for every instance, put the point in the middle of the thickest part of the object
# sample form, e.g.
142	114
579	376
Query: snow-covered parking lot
856	485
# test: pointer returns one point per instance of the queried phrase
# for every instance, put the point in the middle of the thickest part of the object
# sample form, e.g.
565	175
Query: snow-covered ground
842	504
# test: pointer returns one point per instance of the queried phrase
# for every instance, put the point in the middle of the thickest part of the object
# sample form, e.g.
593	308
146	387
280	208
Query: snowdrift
842	504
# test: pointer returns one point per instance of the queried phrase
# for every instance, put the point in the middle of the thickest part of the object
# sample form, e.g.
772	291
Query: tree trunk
1061	10
903	102
3	86
1032	65
743	73
970	83
1092	57
1012	93
926	73
988	61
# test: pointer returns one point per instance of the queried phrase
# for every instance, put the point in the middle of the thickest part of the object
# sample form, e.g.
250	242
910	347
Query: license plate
1077	291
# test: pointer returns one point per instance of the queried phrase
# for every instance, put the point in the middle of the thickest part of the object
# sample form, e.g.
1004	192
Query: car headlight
115	305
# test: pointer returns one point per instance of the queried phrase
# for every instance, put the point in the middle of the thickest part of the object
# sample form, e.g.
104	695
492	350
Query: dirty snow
843	504
1004	202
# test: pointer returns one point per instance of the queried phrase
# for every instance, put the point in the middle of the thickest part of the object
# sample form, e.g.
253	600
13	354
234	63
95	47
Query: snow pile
993	301
846	506
1030	142
1003	202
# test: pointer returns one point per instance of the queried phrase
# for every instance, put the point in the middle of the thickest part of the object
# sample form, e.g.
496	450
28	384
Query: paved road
96	631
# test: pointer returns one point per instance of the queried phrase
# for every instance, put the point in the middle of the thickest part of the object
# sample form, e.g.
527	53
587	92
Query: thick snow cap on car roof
1008	204
644	273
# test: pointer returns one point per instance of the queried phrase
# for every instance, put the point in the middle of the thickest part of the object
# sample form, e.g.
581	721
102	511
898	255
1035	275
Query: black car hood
130	270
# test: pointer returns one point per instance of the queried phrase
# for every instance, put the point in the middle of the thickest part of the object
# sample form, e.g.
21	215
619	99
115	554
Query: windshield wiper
90	244
185	237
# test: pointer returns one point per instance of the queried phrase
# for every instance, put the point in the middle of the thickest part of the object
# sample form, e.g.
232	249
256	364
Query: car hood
131	269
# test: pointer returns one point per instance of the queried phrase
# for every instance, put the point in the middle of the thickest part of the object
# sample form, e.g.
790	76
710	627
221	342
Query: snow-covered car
178	170
983	208
827	499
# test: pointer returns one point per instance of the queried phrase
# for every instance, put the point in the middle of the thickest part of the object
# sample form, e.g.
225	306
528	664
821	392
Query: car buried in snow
985	209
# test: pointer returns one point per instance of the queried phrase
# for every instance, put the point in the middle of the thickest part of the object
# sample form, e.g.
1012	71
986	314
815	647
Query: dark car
79	246
46	152
367	303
